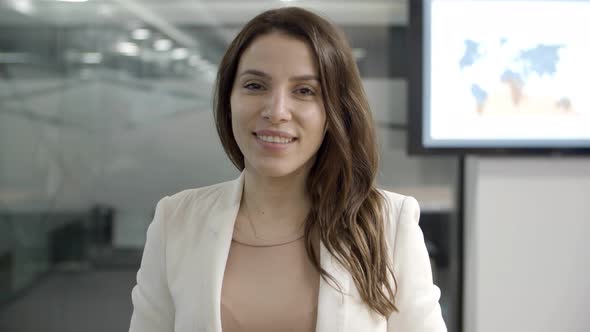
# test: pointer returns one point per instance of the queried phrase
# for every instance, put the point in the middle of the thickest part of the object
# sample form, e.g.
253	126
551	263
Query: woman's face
278	115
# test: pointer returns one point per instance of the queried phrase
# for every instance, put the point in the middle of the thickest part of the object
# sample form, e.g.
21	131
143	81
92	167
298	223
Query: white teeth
276	139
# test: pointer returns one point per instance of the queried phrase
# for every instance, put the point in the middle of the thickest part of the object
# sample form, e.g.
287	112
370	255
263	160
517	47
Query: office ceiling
193	12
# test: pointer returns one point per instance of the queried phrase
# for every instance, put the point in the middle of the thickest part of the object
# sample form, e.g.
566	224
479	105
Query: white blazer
179	282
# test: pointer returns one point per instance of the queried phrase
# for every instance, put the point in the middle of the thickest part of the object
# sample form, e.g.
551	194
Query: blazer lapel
221	227
332	304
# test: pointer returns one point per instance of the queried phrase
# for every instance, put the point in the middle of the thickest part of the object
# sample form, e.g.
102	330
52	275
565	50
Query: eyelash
309	91
248	85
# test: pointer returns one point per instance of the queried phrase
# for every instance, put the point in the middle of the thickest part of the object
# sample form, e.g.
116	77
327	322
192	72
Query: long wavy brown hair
347	210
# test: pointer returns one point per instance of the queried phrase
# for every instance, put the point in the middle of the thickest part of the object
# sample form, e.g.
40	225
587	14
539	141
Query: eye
253	86
306	91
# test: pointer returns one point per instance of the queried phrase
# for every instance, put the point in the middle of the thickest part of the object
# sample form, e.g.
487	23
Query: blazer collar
331	303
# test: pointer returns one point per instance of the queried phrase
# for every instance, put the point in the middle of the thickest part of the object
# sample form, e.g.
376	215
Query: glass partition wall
84	89
105	106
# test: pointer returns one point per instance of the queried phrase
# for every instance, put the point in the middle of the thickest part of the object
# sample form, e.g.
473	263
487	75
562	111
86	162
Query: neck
275	204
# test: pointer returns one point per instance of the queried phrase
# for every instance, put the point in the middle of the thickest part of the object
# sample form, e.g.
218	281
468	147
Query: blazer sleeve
416	297
153	309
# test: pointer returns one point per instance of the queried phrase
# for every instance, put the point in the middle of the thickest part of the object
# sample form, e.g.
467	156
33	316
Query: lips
274	141
275	133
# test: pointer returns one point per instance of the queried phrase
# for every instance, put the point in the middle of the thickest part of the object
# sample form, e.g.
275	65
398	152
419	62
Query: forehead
279	53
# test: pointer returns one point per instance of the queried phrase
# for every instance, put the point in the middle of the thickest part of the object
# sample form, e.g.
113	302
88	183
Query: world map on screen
500	75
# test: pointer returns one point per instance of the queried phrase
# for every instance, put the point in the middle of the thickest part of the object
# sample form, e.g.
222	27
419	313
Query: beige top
269	288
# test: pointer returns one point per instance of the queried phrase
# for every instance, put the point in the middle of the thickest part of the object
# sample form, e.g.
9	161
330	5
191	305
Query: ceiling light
23	6
179	53
91	58
140	34
127	48
72	0
162	45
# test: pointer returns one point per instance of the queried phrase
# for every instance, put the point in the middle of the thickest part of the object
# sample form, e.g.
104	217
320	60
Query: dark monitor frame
415	144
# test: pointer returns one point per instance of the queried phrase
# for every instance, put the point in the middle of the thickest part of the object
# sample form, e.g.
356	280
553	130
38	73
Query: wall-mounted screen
500	75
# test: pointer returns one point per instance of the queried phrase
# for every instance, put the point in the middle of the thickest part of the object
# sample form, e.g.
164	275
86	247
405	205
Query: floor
73	301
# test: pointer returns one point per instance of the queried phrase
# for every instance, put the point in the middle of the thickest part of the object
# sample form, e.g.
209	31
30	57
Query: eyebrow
267	76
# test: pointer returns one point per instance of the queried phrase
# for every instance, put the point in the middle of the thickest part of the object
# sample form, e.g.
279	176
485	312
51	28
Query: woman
302	240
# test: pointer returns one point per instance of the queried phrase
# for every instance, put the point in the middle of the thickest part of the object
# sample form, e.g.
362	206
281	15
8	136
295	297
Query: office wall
527	256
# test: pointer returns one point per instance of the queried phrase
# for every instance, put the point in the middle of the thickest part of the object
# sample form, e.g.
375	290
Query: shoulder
186	216
400	211
400	206
193	210
202	197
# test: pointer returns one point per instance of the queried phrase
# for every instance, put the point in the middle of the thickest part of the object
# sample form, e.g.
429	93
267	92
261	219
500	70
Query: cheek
237	112
242	107
236	121
233	105
324	122
318	123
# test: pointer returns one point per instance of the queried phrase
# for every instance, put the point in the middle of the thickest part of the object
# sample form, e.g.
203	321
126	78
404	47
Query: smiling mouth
275	139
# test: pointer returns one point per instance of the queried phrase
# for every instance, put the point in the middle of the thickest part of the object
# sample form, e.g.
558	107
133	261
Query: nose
277	109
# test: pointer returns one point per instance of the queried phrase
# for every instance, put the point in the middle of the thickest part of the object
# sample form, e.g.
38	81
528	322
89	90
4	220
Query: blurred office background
105	106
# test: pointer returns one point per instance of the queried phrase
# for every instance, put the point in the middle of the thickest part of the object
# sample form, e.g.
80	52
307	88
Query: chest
269	288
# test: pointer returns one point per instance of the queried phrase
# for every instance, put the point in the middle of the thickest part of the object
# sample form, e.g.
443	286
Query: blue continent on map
540	60
512	76
471	54
480	94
